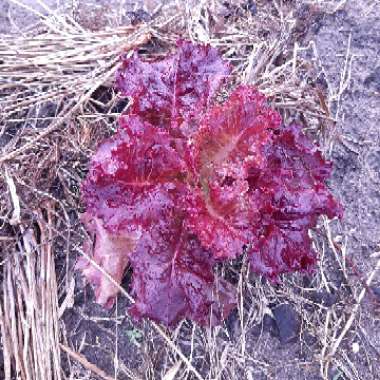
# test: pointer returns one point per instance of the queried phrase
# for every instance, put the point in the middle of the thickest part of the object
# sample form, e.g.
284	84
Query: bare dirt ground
322	326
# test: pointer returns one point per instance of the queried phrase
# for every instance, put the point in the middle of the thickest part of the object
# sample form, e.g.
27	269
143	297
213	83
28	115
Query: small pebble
355	347
288	323
376	291
252	7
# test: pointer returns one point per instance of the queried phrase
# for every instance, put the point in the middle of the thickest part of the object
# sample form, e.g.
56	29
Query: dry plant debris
57	102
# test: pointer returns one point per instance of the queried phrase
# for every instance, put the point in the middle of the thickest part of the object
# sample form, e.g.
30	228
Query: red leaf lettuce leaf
126	191
173	92
292	195
133	192
231	138
186	183
173	278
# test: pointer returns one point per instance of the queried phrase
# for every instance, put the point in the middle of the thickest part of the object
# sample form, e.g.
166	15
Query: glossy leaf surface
174	92
186	183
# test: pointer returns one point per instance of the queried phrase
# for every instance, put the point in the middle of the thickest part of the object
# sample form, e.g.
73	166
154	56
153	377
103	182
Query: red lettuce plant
186	182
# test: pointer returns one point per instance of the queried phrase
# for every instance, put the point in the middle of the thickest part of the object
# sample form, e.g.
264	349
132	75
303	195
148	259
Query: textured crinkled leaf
222	230
128	188
173	92
173	278
291	195
131	176
235	134
281	250
134	189
138	154
232	137
185	183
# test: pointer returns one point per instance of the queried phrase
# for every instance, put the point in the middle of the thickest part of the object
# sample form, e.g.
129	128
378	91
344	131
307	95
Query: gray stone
288	323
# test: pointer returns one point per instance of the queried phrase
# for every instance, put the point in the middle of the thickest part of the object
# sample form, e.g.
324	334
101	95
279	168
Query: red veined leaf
128	188
133	190
281	250
173	92
173	278
231	138
185	183
292	196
